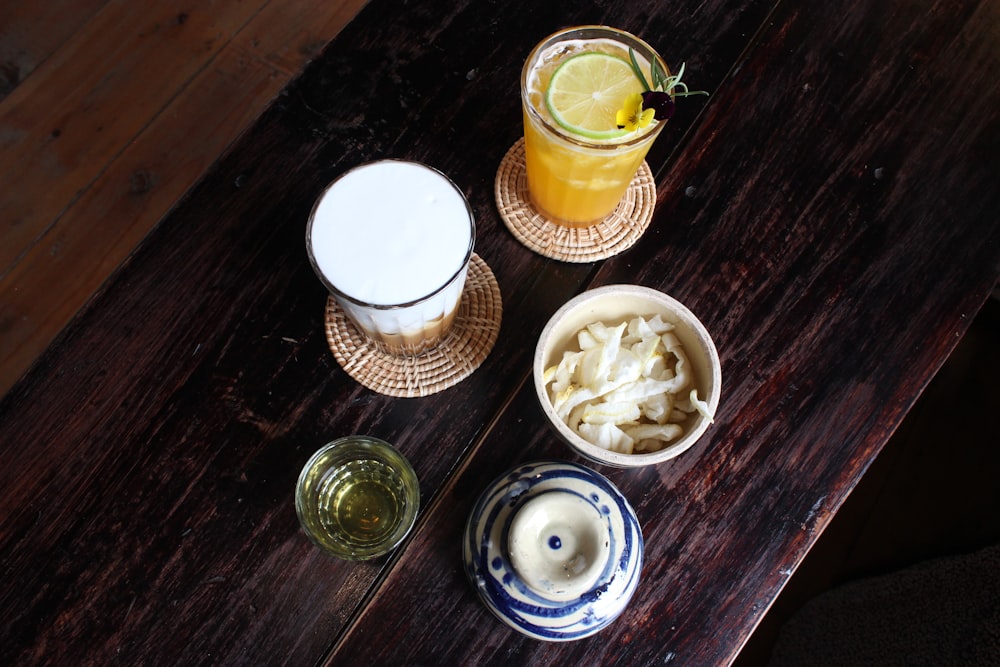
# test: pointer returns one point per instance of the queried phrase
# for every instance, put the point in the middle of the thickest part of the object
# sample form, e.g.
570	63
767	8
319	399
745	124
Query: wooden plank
80	109
132	191
31	31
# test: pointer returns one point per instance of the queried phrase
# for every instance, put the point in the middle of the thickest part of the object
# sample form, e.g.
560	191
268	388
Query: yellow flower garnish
632	116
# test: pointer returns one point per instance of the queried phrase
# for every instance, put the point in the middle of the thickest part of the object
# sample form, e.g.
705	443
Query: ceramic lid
554	550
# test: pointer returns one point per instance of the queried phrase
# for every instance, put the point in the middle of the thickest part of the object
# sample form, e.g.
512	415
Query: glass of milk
391	240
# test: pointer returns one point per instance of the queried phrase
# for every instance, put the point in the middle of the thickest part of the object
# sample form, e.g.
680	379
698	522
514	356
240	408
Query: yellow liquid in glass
575	181
361	503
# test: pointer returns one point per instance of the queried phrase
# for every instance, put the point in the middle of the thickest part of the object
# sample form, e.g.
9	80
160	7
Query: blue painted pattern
485	553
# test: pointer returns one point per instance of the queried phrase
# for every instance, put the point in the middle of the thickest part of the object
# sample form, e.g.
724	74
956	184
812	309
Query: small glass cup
357	498
391	240
572	180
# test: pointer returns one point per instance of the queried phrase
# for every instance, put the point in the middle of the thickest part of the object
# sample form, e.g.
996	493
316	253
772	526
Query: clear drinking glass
392	240
573	180
357	497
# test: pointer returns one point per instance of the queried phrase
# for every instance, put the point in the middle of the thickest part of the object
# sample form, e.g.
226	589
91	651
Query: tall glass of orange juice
580	161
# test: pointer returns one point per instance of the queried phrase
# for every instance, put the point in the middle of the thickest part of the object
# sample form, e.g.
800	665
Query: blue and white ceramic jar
554	550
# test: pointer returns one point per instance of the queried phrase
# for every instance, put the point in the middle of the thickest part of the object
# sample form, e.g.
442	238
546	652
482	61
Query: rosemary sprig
638	70
662	82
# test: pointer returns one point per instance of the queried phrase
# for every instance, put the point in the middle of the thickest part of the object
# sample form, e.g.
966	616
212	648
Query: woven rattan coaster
616	233
468	343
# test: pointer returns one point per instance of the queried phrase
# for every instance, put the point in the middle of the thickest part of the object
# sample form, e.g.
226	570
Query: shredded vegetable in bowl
629	388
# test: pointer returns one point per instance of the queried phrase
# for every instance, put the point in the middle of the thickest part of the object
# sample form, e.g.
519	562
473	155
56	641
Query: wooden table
830	213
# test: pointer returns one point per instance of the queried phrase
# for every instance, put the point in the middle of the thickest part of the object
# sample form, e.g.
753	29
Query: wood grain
114	127
795	225
147	515
30	33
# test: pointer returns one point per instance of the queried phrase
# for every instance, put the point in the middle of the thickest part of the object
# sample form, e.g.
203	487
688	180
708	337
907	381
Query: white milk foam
391	232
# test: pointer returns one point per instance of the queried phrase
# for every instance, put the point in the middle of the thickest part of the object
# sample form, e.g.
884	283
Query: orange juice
573	179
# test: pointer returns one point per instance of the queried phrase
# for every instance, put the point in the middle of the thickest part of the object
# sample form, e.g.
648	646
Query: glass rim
377	444
393	306
592	31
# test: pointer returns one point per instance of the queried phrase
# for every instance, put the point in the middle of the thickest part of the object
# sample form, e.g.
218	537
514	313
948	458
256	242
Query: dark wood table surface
830	213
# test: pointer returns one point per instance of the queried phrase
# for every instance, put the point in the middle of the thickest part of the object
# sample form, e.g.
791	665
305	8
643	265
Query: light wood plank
84	105
57	274
31	31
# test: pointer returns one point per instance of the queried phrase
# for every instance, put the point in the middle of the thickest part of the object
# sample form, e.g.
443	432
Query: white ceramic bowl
612	305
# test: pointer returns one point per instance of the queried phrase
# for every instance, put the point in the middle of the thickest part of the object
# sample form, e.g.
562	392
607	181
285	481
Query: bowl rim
681	314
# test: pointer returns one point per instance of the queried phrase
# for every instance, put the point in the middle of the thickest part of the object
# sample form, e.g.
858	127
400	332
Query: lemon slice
586	92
